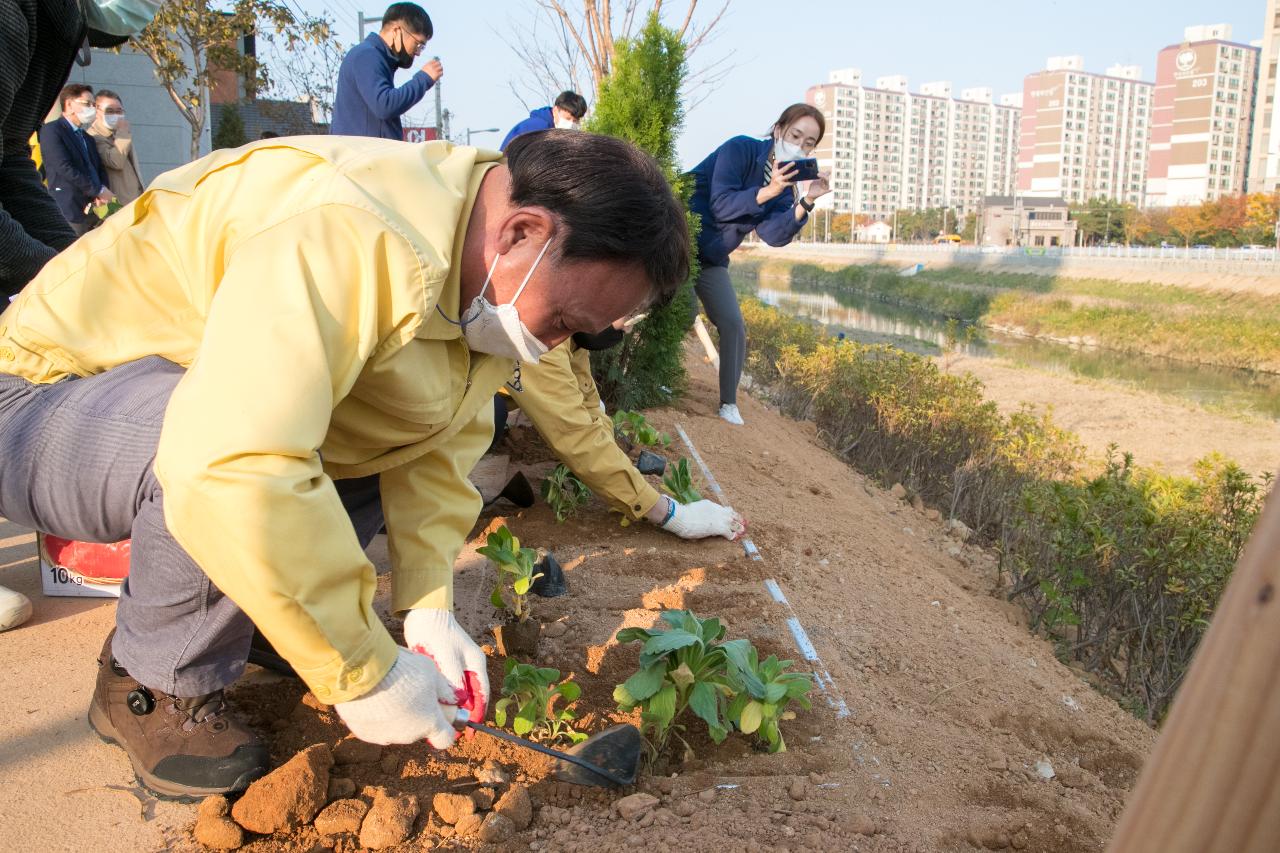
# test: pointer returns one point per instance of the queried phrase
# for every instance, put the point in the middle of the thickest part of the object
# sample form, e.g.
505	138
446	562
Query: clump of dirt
288	796
389	820
951	703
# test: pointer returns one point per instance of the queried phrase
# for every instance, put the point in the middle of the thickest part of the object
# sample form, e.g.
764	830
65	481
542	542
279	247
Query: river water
869	320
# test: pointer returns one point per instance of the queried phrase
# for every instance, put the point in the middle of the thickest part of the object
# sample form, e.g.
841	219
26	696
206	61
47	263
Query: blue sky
775	51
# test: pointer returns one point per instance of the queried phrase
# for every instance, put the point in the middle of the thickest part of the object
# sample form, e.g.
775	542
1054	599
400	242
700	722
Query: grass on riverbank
1123	568
1227	329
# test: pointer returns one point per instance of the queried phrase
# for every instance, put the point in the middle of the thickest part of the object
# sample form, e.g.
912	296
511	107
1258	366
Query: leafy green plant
763	691
680	483
516	563
634	427
102	211
564	492
684	667
533	692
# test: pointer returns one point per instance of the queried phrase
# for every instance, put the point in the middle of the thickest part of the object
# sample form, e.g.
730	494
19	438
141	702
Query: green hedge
1122	567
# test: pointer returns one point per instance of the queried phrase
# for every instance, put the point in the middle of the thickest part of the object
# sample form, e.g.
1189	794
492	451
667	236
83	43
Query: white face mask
784	151
112	119
496	329
567	124
86	115
121	17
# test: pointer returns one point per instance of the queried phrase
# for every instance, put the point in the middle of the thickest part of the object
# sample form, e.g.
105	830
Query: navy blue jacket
539	119
724	195
367	102
72	171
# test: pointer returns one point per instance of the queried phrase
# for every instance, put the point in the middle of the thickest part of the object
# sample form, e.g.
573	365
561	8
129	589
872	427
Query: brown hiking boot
179	747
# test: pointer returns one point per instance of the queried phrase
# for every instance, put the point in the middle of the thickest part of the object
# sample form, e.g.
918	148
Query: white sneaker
15	608
730	413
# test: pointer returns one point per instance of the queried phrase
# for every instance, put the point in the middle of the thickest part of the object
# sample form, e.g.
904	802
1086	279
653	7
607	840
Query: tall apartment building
1084	134
1202	118
890	149
1264	150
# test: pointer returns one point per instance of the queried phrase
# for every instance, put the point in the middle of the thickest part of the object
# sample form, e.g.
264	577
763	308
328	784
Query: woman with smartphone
746	185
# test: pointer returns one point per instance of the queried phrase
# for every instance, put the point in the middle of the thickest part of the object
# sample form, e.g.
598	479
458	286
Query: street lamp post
480	130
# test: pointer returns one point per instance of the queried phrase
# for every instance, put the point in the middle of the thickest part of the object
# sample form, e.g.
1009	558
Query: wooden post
1212	782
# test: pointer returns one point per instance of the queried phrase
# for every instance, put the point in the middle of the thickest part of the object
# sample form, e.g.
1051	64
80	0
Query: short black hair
633	215
411	15
107	93
268	134
71	91
572	103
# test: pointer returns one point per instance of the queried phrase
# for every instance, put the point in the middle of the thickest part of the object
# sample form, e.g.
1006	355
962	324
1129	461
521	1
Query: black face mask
608	339
404	59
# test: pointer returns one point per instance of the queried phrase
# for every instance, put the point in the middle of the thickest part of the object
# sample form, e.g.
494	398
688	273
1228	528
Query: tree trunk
1213	781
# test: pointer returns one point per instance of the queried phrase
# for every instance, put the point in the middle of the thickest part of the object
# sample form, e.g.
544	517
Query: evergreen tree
230	130
640	101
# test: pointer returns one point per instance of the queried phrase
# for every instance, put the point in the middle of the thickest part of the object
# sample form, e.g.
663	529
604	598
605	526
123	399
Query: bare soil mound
963	731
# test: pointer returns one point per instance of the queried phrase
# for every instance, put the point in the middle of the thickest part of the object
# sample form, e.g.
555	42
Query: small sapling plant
532	693
762	690
679	482
684	667
515	567
636	429
565	493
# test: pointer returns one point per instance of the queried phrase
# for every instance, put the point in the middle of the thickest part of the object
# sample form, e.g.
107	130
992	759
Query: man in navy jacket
367	102
566	113
73	171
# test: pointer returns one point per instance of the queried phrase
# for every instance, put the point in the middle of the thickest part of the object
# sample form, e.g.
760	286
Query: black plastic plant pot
651	463
553	583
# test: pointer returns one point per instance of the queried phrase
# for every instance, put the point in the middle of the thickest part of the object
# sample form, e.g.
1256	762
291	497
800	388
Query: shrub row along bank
1123	568
1230	330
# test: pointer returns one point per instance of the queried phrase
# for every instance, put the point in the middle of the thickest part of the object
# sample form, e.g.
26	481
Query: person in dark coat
72	167
367	102
566	113
739	188
38	43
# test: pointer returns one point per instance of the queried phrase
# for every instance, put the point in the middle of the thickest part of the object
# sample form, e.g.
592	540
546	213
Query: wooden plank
1212	782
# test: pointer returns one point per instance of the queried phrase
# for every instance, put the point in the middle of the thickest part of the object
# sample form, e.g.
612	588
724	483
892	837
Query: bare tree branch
684	28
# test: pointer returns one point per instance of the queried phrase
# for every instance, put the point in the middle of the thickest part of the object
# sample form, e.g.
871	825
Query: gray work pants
715	289
76	461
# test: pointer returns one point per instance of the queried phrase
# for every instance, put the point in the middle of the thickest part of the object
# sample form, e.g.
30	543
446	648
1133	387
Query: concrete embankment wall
1262	277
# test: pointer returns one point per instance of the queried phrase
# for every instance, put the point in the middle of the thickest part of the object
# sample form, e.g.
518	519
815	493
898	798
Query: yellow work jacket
298	281
560	397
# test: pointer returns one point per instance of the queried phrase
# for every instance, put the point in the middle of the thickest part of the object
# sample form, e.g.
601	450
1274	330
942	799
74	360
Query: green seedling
565	493
516	564
636	429
762	691
532	692
682	668
102	211
680	484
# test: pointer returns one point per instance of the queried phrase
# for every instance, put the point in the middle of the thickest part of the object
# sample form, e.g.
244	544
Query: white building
1264	152
889	149
876	232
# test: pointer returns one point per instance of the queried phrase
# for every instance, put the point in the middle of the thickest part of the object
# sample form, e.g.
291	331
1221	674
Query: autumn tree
193	45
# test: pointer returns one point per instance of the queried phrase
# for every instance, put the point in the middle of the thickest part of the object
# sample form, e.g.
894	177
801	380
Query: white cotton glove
412	702
701	519
437	634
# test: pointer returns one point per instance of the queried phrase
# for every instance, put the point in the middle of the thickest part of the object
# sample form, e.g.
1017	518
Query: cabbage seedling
679	482
532	692
564	493
636	429
516	563
762	691
682	668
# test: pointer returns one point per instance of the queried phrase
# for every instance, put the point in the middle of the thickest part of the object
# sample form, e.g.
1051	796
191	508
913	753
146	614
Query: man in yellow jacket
270	351
560	397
